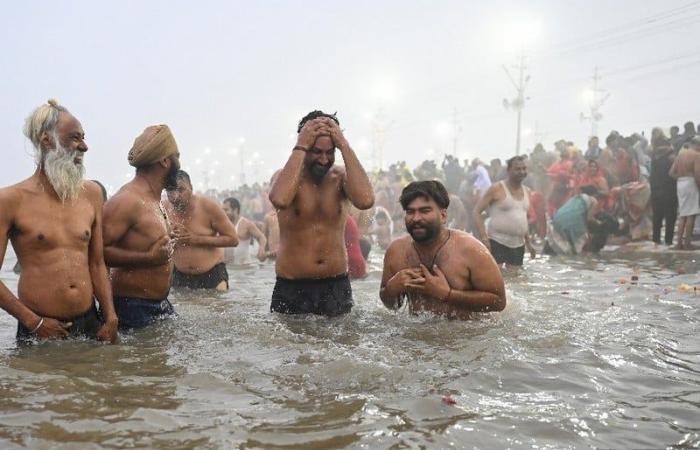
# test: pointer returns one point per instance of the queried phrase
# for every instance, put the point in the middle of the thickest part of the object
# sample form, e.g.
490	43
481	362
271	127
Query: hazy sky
230	76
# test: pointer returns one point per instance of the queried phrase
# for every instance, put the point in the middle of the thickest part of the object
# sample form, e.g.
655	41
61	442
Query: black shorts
206	280
503	254
134	312
324	296
85	325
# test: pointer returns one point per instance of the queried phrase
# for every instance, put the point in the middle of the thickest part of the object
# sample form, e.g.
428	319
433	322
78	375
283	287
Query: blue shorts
134	312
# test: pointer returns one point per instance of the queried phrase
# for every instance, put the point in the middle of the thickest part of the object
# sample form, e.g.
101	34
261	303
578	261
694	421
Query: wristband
36	328
299	147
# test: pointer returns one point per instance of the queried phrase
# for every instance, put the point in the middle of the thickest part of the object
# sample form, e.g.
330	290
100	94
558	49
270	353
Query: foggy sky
220	73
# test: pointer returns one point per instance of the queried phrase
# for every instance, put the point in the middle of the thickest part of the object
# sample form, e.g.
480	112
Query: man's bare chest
46	226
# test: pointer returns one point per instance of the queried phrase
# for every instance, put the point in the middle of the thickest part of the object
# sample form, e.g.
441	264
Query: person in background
357	267
201	231
664	200
246	231
507	233
686	171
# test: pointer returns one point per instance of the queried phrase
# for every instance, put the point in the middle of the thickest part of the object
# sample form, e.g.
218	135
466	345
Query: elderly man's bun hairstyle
42	120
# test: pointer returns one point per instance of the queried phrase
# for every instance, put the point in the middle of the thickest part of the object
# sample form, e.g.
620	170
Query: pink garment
356	263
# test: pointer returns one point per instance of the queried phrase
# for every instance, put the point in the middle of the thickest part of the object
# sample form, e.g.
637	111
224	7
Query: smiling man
439	270
54	220
311	195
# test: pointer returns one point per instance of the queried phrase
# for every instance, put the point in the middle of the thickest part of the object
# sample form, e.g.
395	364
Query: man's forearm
15	308
359	188
390	299
214	241
284	189
102	290
478	301
119	257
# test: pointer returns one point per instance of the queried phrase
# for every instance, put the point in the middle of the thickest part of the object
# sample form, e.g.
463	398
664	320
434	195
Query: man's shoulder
206	203
465	242
126	197
398	244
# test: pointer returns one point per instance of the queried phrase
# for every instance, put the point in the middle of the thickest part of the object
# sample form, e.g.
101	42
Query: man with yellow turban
137	232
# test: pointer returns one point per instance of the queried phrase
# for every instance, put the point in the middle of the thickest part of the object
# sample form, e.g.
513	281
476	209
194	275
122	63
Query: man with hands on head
439	270
311	196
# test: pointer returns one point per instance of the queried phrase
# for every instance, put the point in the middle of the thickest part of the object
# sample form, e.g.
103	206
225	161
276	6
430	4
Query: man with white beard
54	221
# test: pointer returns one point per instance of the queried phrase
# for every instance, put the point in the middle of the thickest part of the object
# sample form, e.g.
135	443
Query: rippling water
577	359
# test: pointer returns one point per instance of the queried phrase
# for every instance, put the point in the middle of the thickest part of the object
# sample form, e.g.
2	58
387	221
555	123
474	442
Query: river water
576	360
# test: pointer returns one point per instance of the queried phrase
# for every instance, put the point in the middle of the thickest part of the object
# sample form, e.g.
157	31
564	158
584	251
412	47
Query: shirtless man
686	170
440	270
137	233
201	231
271	230
54	221
246	230
311	196
508	229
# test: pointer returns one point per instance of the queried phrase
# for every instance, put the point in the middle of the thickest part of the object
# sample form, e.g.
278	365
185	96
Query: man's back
685	162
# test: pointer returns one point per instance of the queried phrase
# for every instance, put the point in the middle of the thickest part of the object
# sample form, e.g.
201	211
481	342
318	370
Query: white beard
64	174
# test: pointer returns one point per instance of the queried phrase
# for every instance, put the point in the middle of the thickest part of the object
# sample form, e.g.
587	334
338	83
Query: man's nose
82	147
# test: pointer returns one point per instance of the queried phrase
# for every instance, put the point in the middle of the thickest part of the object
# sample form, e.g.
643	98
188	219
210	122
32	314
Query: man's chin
419	235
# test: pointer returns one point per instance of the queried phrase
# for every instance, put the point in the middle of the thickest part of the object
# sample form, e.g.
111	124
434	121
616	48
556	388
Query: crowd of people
574	200
443	230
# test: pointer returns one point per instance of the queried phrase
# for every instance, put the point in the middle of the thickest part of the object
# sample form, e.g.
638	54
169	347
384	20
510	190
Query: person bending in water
137	233
246	230
311	196
54	220
201	230
439	270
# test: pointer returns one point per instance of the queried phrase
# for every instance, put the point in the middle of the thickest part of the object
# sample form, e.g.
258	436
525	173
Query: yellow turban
155	143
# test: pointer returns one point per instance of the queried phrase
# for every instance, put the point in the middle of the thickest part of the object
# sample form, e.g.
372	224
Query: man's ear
443	215
164	162
46	141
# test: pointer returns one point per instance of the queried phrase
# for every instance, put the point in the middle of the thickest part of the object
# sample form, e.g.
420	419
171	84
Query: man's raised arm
284	187
356	184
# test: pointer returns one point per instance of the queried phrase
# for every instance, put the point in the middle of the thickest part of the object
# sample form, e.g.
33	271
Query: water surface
576	360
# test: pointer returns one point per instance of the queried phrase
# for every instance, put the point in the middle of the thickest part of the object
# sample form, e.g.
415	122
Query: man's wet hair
233	203
431	189
315	115
515	159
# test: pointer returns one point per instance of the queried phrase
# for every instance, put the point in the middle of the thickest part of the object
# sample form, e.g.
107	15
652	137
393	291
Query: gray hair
42	120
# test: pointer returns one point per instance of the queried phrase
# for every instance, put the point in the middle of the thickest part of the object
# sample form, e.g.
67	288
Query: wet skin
464	278
59	246
312	206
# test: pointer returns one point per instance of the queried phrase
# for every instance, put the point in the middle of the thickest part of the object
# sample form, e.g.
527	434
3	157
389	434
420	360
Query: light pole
518	103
